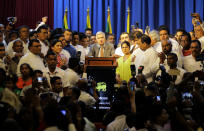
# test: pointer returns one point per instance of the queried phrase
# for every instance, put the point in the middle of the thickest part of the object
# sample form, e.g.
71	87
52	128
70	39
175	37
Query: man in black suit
101	48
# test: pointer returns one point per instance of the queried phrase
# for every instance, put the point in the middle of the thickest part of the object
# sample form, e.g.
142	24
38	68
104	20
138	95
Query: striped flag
108	25
65	20
88	22
128	21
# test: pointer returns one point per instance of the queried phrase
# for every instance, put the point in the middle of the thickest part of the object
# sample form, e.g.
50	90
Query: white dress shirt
190	64
87	98
58	72
146	58
87	49
83	52
44	48
66	54
119	124
201	39
35	61
73	77
10	47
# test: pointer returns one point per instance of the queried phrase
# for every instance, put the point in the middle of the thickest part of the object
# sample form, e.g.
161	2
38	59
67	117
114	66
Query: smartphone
132	85
140	69
63	112
133	70
158	98
202	83
187	95
40	79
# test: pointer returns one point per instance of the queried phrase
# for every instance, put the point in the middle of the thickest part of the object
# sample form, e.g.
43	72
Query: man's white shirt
35	61
190	64
44	48
73	77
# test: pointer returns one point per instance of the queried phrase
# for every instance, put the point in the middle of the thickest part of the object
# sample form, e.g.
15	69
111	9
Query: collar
53	73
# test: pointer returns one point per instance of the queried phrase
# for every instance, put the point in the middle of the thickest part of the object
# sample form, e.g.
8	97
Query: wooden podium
100	61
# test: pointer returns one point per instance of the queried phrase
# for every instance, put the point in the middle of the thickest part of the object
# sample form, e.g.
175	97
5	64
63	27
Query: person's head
37	73
26	70
124	37
83	40
75	38
159	114
62	39
56	46
166	46
172	60
100	38
33	35
23	32
82	84
145	42
195	48
198	31
111	38
2	50
125	46
13	35
42	32
73	63
93	39
179	33
51	60
185	41
88	32
18	46
34	46
135	36
154	35
56	84
10	82
163	32
74	93
2	28
67	35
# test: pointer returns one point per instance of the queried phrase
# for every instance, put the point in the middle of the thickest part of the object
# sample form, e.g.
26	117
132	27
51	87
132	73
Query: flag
88	22
128	21
65	20
108	25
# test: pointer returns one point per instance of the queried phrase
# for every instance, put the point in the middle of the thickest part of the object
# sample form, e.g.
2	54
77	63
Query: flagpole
128	20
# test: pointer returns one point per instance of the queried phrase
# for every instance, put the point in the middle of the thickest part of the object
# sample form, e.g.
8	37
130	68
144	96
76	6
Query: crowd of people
44	85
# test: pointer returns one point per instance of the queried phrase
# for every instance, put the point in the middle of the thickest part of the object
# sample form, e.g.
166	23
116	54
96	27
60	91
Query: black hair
74	33
125	42
164	27
31	34
23	26
174	55
188	36
196	41
73	62
146	39
136	34
124	33
88	29
32	41
15	41
50	53
82	36
1	44
29	67
57	36
42	27
53	79
108	35
54	42
13	32
37	71
181	30
67	30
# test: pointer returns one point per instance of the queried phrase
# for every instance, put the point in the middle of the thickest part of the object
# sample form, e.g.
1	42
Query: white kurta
190	64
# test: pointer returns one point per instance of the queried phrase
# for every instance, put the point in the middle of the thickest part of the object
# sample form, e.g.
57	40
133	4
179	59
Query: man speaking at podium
101	48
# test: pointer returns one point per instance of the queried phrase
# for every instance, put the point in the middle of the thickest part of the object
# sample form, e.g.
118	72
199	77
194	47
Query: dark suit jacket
108	50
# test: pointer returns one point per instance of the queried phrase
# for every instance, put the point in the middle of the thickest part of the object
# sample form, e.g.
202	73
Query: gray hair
100	33
154	34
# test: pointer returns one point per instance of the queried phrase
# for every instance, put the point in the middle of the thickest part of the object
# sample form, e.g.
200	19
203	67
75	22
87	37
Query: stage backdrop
174	13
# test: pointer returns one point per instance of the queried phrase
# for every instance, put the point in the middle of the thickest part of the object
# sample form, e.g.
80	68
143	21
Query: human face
125	49
24	33
36	48
14	36
52	61
184	41
164	116
68	36
64	43
57	48
2	52
93	39
198	32
195	49
25	70
84	42
124	37
75	40
18	47
57	86
166	47
35	36
111	39
43	34
178	36
163	34
171	60
100	39
88	33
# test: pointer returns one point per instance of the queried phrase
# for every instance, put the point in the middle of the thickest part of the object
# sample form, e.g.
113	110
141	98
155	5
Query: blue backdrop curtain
173	13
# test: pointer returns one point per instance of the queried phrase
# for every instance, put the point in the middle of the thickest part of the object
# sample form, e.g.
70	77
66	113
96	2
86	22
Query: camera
132	85
158	98
63	112
11	20
187	95
133	69
140	69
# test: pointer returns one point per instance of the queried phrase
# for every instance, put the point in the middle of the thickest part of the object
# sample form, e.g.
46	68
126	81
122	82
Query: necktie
101	51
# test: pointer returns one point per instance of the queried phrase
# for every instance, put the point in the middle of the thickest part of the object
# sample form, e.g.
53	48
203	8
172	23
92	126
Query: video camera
12	20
